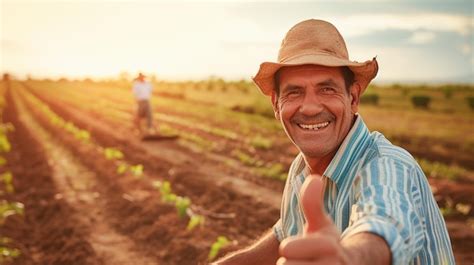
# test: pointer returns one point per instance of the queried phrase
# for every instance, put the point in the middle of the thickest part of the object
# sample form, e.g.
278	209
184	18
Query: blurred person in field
142	90
351	197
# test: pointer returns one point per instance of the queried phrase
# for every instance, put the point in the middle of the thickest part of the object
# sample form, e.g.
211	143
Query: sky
414	41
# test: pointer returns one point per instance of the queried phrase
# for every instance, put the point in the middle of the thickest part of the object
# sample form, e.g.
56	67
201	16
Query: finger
283	261
313	205
314	246
328	261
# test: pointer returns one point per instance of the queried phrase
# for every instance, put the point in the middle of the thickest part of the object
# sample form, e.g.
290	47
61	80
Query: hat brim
363	72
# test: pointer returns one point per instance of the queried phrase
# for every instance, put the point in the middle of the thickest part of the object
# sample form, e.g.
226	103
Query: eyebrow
327	82
291	87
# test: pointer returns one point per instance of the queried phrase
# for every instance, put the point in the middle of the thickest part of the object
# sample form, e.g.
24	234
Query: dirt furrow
78	187
210	168
134	206
49	232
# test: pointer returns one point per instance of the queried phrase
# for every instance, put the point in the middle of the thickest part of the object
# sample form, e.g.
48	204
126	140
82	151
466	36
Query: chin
312	153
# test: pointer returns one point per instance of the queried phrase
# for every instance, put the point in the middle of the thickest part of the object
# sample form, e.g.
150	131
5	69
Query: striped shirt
374	186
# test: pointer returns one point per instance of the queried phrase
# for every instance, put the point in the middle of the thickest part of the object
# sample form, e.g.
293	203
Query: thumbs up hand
320	243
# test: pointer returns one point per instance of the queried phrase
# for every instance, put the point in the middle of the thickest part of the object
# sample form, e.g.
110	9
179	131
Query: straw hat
314	42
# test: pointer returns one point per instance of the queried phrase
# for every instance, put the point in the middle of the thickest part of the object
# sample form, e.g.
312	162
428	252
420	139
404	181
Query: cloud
364	24
422	37
466	49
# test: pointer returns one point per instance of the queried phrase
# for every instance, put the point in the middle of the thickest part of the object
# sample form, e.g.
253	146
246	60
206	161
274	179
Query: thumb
312	193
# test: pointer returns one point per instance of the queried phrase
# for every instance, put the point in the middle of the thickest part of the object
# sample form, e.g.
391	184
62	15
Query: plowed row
79	210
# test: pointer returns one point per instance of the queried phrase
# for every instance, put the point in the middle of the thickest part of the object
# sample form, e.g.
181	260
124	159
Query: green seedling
82	135
220	243
7	178
165	191
112	153
261	142
8	209
8	254
5	146
137	170
156	184
122	168
3	161
182	204
169	198
194	221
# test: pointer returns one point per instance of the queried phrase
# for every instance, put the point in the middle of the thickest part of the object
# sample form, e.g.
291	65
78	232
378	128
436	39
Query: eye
293	93
328	89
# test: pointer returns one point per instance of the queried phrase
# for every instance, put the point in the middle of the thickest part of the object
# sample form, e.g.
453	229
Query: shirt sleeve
384	206
278	230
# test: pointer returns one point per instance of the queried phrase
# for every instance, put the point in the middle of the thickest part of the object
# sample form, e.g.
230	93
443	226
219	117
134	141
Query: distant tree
470	102
370	99
6	77
422	102
448	92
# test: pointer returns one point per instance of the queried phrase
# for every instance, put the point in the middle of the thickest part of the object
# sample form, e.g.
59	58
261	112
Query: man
142	91
364	200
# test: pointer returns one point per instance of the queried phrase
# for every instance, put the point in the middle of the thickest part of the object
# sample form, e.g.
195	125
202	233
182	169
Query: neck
317	165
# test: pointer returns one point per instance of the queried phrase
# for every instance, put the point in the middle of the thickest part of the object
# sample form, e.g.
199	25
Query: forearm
367	248
264	251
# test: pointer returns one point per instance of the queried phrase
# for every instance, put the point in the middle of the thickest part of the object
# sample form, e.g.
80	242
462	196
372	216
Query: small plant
7	254
274	171
463	208
165	191
3	161
194	221
370	99
440	170
10	208
82	135
7	178
261	142
220	243
112	153
5	146
182	204
422	102
7	209
122	168
137	170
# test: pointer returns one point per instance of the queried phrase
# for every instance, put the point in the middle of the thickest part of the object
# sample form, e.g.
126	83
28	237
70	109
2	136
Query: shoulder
387	164
382	150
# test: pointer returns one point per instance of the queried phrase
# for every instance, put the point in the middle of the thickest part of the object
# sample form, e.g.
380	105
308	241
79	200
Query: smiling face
316	110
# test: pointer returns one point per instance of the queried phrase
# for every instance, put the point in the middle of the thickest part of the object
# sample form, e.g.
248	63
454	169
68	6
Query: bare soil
79	210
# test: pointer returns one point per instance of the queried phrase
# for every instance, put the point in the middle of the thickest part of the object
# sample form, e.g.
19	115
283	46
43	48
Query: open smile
314	127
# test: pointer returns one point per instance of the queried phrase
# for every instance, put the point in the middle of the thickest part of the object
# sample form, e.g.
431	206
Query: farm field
91	192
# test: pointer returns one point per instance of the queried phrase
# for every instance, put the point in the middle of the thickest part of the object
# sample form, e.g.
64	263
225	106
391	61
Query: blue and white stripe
374	186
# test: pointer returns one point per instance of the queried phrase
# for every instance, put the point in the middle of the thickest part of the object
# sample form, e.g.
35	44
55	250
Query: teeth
314	126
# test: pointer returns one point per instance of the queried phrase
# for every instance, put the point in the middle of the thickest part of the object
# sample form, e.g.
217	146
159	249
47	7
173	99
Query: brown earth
106	218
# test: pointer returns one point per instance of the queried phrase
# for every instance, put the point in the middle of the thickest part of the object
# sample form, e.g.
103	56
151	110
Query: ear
355	96
276	110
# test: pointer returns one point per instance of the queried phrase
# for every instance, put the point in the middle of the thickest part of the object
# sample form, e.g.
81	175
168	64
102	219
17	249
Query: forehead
309	72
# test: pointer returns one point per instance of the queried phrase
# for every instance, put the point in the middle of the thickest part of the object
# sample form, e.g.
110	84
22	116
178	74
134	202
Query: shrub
470	101
448	92
421	102
370	99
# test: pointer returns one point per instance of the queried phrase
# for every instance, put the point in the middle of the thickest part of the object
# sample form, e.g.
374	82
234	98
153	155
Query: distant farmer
364	200
142	91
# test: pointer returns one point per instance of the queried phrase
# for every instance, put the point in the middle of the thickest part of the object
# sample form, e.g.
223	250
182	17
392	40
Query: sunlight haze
413	41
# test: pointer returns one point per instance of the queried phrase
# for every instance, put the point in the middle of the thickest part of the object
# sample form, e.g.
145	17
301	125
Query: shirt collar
348	153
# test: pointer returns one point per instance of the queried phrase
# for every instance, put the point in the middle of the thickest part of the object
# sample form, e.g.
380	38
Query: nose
311	105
